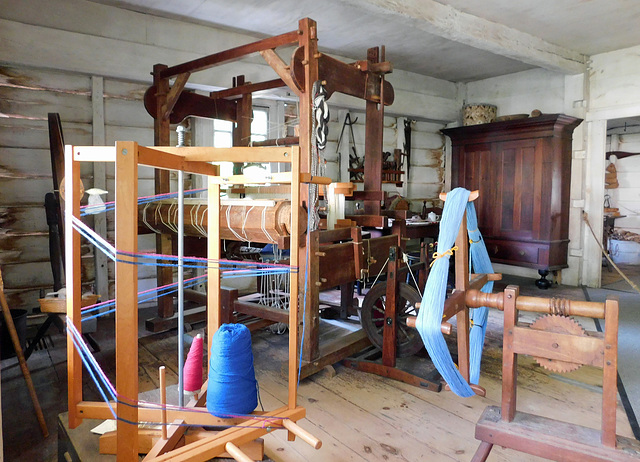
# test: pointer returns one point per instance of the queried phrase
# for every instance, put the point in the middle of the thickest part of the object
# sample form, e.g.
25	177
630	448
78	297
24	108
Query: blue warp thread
232	389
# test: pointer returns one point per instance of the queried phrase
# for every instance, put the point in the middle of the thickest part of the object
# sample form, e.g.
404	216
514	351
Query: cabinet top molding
531	127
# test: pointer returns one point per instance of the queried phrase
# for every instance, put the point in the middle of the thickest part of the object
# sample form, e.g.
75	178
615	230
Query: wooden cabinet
523	171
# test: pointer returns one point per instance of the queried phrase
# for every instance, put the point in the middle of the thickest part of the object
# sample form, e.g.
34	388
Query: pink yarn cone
193	366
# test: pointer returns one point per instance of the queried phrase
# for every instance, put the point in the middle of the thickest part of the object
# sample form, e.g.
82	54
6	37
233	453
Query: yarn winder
558	343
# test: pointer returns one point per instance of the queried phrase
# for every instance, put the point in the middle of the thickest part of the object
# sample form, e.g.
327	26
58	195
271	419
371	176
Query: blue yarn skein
232	388
432	306
481	264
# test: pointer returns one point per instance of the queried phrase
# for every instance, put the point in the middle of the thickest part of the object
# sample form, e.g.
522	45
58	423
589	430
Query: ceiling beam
452	24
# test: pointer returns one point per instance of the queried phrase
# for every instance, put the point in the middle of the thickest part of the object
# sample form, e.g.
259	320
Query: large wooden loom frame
362	79
127	157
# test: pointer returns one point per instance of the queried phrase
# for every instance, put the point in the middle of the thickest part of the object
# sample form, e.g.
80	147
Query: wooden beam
174	94
450	23
240	90
231	55
278	65
100	410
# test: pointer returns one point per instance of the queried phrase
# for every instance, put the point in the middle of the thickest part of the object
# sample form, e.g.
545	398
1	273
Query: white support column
594	185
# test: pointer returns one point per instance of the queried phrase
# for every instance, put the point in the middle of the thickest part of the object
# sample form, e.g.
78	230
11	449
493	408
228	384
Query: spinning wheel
372	318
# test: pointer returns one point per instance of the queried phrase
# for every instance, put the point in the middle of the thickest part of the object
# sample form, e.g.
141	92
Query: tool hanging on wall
407	142
354	161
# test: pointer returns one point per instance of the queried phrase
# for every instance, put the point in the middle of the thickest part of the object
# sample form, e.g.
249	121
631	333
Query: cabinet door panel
516	189
473	170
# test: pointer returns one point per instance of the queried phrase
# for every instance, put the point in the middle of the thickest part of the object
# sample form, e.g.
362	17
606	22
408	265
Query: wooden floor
358	416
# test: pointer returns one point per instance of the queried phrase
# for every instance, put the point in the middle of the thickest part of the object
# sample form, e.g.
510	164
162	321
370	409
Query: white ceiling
455	40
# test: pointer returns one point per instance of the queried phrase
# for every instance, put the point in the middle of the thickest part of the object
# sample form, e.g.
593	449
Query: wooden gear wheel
372	318
559	325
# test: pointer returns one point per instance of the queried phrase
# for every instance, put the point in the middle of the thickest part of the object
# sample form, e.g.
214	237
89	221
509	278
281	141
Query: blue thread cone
232	387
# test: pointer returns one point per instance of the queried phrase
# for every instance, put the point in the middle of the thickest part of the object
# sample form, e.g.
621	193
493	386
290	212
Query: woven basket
474	114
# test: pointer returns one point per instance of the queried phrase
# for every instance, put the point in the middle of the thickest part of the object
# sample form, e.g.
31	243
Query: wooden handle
445	327
565	307
235	452
302	433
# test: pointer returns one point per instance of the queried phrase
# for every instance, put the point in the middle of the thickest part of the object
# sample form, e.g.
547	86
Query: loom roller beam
256	221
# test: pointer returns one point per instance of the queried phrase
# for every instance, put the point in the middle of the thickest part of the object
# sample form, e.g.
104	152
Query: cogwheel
560	325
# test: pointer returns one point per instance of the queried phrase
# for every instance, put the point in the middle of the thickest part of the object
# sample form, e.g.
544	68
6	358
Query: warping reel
261	221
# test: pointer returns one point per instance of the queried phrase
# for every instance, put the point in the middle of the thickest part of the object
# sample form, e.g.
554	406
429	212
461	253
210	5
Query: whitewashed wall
26	97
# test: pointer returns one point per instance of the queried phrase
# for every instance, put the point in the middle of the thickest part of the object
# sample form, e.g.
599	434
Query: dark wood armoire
523	171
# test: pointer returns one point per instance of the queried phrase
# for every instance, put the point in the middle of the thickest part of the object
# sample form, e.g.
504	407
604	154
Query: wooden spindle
163	401
302	433
235	452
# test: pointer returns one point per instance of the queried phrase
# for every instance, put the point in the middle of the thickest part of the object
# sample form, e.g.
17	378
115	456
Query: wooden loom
127	156
560	344
363	79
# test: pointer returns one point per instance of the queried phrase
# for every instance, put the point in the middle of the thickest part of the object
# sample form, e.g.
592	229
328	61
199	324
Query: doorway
621	222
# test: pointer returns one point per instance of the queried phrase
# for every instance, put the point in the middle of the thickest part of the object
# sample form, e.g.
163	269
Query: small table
422	229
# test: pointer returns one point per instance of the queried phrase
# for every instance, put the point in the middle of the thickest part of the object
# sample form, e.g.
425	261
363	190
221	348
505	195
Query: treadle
416	371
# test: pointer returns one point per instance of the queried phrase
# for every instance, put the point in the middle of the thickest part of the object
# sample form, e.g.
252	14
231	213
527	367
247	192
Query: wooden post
308	40
294	282
390	333
127	299
462	285
162	137
214	310
610	373
311	347
373	143
73	274
509	358
244	117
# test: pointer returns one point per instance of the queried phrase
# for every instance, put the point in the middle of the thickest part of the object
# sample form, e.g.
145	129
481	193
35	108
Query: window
260	124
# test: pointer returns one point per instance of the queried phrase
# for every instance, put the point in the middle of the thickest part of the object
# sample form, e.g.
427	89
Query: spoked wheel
372	318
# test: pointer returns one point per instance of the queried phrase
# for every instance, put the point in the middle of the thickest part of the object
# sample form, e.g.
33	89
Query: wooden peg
163	401
445	327
235	452
301	433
